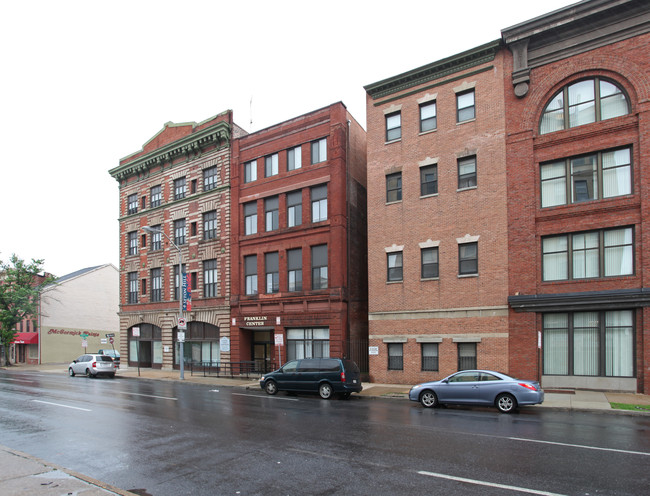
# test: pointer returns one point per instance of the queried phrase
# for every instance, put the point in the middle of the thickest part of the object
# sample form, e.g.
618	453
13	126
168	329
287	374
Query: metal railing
246	369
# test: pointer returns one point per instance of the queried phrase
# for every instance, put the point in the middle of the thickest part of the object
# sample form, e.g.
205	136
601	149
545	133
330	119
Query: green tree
20	284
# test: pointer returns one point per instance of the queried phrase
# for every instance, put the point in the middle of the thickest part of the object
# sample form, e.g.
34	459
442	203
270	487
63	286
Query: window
210	279
177	280
394	261
429	257
294	267
179	232
395	356
272	268
210	225
429	180
319	267
143	202
467	172
308	343
466	109
156	196
600	175
271	213
133	287
393	126
589	343
394	187
250	217
250	273
428	117
468	259
583	102
429	357
319	203
250	171
319	151
271	165
210	178
133	243
294	209
294	158
156	284
132	201
156	237
179	188
144	287
193	186
588	254
466	356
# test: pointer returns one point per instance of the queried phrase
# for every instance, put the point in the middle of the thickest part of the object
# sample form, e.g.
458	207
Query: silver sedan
479	387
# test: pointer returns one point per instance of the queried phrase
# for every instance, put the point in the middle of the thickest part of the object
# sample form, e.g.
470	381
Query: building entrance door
262	352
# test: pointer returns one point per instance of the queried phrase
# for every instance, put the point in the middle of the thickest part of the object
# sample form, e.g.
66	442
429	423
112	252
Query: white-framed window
156	284
394	126
180	188
319	151
132	203
272	213
294	269
583	255
272	272
465	106
210	279
395	266
156	237
133	243
271	165
250	171
467	172
294	208
250	218
210	230
155	196
428	116
294	158
250	274
319	203
308	343
179	231
133	287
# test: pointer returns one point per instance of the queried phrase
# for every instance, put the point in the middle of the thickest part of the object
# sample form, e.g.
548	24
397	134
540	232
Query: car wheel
429	399
271	387
71	372
89	373
506	403
325	391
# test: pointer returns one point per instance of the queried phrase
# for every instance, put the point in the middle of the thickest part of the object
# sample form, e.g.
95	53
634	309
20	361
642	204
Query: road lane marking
627	452
151	396
267	396
18	380
490	484
64	406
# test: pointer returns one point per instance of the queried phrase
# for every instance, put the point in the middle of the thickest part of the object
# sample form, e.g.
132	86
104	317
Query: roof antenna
251	114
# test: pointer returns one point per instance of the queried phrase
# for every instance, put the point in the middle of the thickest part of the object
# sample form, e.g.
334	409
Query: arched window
583	102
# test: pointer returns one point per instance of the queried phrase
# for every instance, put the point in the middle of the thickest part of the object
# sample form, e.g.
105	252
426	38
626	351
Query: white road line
269	397
627	452
150	396
64	406
490	484
17	380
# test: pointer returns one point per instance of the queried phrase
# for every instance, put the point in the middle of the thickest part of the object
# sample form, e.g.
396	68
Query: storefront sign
224	344
255	321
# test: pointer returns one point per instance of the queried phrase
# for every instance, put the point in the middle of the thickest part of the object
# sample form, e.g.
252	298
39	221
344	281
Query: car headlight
262	378
417	386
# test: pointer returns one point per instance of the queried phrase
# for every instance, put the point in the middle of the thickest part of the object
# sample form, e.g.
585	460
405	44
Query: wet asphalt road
170	438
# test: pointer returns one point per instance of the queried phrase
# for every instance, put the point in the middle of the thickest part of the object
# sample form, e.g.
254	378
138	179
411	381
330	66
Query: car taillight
95	364
342	376
528	386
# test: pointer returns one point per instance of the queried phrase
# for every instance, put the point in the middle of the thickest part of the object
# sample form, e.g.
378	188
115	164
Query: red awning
26	338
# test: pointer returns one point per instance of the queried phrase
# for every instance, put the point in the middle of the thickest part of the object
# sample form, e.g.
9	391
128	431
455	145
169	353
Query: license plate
354	381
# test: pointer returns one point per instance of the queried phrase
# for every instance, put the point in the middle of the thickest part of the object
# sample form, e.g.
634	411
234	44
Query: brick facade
450	309
337	310
544	60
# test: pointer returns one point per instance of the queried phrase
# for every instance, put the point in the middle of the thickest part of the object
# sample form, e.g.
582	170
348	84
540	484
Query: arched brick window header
583	102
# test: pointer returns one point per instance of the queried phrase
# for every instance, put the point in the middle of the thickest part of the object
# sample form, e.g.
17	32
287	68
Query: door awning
26	338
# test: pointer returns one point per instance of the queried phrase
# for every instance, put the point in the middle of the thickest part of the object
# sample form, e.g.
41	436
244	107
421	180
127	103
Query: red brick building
437	219
298	241
578	157
178	185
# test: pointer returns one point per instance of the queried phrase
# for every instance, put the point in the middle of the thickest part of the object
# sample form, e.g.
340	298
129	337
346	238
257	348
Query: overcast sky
84	83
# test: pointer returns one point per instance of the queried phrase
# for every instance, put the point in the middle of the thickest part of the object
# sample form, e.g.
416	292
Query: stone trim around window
394	248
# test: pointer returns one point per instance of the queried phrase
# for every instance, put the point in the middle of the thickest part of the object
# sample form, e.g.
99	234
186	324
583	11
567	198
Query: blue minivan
325	376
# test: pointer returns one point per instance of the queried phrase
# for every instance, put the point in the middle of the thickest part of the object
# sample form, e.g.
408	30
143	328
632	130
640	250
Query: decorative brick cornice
436	70
189	147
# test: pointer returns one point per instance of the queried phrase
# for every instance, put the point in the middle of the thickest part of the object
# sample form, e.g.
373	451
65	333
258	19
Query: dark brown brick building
298	240
578	157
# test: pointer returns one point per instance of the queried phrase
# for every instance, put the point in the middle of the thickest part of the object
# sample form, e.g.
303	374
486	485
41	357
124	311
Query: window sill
422	133
394	282
394	202
432	195
424	279
392	141
465	276
469	188
465	122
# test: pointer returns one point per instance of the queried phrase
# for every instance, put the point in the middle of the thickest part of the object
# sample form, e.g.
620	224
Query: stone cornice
436	70
190	147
